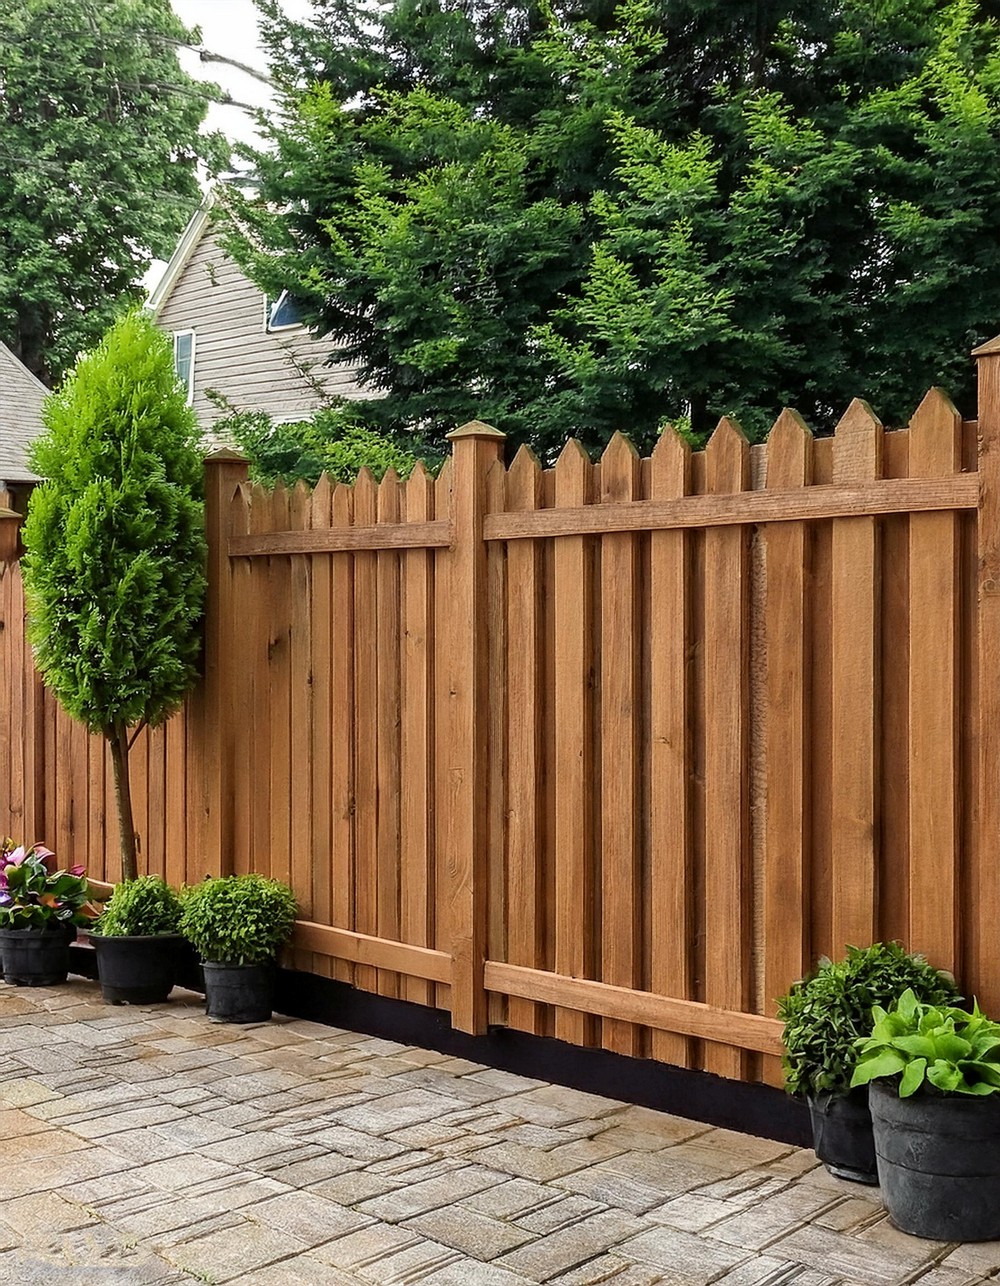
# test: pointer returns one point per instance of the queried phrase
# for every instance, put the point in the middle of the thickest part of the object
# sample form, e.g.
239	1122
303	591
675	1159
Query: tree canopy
576	217
99	147
114	572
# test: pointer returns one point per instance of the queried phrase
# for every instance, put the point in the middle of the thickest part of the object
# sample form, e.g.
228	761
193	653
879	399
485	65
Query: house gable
21	398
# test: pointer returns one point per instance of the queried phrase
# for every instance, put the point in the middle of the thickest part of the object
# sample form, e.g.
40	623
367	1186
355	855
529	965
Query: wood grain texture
362	536
343	724
572	605
320	740
935	450
671	857
726	733
788	748
856	665
388	701
366	607
620	762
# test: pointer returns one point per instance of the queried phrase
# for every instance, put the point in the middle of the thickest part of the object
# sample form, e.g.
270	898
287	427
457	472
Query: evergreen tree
99	147
115	566
570	218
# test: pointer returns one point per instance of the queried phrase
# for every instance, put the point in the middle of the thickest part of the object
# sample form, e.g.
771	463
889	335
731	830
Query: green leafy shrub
146	905
36	893
238	919
826	1013
938	1048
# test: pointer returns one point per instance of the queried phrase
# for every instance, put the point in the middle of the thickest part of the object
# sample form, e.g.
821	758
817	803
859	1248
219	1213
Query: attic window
184	360
282	313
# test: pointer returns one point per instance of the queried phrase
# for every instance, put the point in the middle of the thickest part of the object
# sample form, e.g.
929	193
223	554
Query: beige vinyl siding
282	373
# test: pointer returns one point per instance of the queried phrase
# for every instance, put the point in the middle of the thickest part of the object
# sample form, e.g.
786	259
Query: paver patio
148	1145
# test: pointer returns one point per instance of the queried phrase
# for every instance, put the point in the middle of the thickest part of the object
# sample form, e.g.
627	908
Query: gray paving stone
229	1253
847	1256
470	1232
569	1247
419	1198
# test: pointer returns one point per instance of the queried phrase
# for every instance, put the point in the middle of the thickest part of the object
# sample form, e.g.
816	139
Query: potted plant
41	906
824	1015
934	1072
136	941
236	923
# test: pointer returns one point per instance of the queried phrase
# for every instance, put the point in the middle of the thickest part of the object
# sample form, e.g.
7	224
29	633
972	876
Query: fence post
10	525
475	448
214	742
985	894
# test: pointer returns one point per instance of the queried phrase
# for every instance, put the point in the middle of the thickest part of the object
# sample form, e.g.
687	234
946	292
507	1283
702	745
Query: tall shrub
115	565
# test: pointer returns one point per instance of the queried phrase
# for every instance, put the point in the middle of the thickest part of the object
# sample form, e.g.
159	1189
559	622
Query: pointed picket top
475	429
388	496
727	458
321	493
573	472
990	349
342	504
524	480
670	464
857	444
419	475
935	436
239	510
789	451
365	481
417	491
619	470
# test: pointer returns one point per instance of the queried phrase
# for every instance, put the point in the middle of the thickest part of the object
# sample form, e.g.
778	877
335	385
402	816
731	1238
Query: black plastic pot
36	957
939	1163
239	993
137	970
842	1135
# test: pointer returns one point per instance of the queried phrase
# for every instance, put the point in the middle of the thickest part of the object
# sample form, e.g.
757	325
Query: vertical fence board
320	740
342	715
497	765
671	891
302	852
242	712
573	771
442	678
855	636
366	607
727	570
526	892
786	825
388	702
416	874
620	894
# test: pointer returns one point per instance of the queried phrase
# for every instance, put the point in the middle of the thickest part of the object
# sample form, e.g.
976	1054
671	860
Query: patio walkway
151	1146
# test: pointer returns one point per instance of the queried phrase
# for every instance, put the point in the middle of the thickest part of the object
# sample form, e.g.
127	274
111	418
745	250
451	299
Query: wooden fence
609	751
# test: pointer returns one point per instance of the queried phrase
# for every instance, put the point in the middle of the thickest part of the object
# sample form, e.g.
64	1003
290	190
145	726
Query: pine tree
115	566
571	218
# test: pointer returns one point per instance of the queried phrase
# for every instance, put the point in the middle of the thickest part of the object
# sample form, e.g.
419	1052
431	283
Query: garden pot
36	957
842	1135
239	993
939	1163
136	970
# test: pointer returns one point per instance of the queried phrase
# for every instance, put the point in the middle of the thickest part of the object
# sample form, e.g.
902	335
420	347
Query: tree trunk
117	737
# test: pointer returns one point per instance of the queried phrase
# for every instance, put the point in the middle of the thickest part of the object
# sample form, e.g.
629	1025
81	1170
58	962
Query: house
21	398
231	339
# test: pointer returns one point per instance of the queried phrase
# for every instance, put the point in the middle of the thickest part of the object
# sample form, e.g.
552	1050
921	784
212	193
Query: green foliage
114	570
930	1047
238	919
99	151
146	905
825	1014
569	218
334	441
35	893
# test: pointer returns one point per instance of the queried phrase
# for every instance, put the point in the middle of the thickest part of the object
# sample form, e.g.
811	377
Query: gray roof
21	398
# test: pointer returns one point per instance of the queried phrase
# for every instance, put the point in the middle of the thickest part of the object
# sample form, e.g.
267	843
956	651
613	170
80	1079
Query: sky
228	27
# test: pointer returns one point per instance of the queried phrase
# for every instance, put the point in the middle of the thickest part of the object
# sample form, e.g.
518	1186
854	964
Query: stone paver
149	1147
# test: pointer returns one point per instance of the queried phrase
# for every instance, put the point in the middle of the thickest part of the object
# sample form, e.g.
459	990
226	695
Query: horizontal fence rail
608	751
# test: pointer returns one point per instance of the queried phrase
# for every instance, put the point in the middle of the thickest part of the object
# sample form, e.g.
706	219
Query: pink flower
77	870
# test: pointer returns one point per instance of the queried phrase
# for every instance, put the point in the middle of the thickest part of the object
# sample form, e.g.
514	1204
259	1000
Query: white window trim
269	305
190	379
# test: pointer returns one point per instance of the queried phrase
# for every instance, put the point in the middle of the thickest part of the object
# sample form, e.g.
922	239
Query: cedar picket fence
609	752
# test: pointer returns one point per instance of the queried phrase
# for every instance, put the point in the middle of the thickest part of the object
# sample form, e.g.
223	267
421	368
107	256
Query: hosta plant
937	1048
238	919
35	893
144	906
826	1013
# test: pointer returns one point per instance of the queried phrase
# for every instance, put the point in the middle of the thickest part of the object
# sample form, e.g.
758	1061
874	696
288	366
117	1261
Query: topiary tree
115	566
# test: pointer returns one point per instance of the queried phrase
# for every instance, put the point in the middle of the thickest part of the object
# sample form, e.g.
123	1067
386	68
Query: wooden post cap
475	429
226	455
990	349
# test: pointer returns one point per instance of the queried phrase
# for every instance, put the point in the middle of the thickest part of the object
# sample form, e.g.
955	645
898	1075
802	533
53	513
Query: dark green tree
114	572
99	147
575	217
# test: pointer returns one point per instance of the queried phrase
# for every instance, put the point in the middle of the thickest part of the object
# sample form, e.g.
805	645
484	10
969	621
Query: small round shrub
145	905
827	1012
238	919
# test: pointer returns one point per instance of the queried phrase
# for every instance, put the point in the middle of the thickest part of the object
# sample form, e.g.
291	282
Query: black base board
698	1096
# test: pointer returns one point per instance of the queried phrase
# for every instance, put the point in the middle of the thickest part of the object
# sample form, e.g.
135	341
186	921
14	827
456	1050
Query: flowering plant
36	894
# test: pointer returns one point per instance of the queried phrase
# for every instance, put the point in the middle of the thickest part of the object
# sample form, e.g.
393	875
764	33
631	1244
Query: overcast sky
229	27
